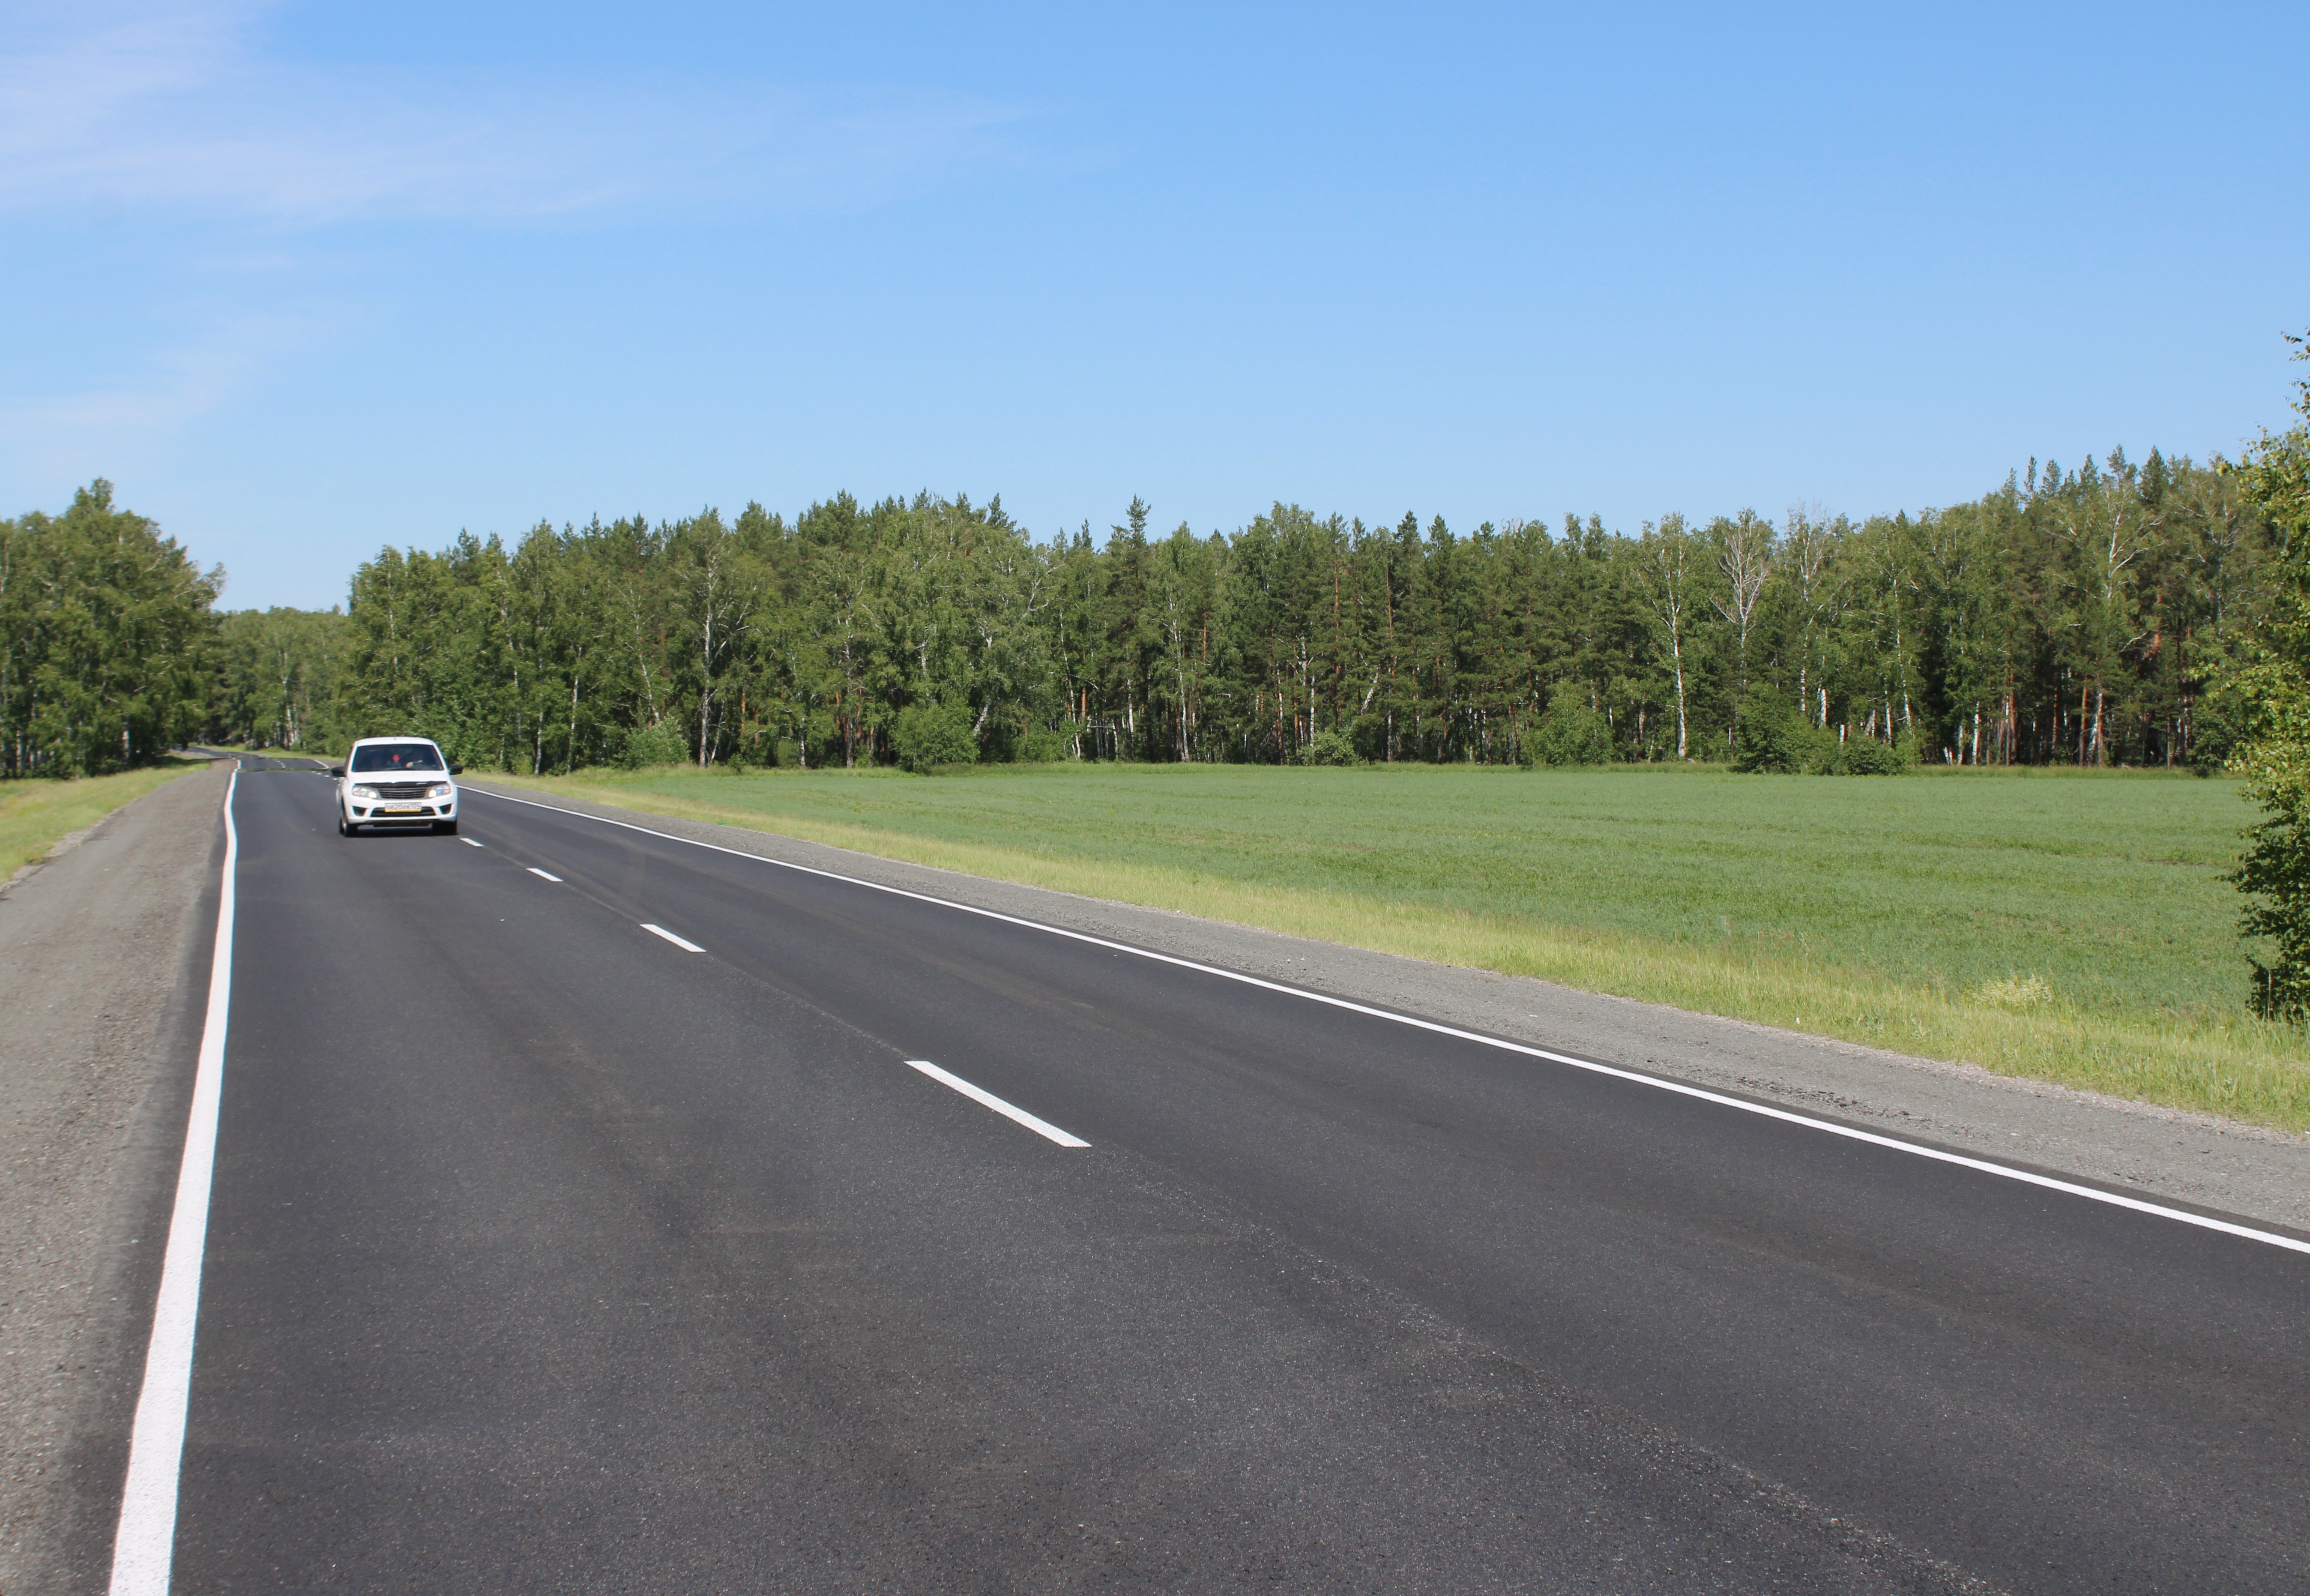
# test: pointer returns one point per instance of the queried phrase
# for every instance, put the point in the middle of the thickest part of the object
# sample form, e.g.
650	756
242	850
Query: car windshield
396	756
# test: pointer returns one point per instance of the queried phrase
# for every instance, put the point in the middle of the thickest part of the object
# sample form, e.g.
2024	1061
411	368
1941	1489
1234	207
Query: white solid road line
548	874
2272	1238
1040	1127
143	1544
660	931
469	842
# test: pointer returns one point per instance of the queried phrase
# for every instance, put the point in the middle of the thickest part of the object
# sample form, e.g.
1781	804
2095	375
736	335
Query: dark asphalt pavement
547	1255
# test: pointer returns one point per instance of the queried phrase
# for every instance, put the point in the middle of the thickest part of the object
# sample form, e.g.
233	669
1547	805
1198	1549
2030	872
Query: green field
35	814
2068	926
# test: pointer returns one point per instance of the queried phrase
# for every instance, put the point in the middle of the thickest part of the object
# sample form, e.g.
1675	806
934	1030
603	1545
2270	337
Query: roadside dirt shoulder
96	950
2169	1155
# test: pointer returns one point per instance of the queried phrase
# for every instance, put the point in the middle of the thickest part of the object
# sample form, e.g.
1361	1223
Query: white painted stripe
146	1536
548	874
1040	1126
1831	1127
660	931
469	842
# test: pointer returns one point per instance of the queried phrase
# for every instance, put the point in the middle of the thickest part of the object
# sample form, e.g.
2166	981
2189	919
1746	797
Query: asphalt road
545	1254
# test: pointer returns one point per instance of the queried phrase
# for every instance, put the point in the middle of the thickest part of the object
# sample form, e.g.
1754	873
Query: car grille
401	790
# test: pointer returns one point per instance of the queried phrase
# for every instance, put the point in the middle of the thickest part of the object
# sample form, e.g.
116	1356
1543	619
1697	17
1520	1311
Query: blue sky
306	279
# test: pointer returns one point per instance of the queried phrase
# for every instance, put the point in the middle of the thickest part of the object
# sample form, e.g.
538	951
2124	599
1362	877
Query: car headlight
438	790
362	792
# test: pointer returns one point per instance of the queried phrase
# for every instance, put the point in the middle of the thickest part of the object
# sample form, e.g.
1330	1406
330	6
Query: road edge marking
682	943
1638	1077
1041	1127
143	1543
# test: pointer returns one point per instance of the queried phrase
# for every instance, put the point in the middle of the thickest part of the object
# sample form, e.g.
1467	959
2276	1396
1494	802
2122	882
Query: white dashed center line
660	931
548	874
2269	1238
1040	1127
469	842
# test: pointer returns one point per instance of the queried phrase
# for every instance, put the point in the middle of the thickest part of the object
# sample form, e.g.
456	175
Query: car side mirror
456	770
336	770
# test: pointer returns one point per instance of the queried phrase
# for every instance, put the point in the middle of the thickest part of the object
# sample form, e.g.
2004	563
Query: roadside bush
2274	874
1328	748
647	747
1569	733
2274	699
2276	871
926	736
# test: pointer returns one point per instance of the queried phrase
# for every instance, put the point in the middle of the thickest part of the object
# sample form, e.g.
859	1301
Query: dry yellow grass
2230	1065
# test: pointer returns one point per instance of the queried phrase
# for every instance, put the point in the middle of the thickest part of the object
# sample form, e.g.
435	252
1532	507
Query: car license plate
403	809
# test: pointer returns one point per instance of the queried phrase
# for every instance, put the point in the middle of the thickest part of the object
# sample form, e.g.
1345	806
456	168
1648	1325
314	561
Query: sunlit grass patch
2016	992
2071	930
37	813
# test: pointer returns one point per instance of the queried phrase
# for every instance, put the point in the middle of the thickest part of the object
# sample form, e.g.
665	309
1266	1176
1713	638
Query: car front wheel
345	828
445	828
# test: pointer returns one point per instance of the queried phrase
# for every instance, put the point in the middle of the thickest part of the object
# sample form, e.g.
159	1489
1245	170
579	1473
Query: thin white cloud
172	109
87	427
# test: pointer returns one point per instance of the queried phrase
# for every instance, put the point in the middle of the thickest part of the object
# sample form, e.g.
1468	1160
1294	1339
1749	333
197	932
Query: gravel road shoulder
103	957
2192	1159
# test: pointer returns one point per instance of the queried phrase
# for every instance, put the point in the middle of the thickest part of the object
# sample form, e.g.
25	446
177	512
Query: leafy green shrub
1040	745
647	747
2214	722
1328	748
1774	736
761	753
2274	695
1865	756
926	736
1569	733
2275	871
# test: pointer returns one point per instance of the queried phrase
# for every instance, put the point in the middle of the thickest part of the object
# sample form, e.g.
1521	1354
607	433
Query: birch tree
1665	560
1744	557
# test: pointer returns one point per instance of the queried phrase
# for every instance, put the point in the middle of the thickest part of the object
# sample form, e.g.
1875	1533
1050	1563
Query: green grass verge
35	814
2066	926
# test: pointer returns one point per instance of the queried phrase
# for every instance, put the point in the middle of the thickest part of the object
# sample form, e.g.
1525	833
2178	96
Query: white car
396	781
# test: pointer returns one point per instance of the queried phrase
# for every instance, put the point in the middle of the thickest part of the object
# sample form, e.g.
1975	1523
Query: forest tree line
2098	617
2087	617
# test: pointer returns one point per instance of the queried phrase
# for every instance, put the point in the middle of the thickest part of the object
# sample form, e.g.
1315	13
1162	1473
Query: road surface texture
597	1211
2169	1155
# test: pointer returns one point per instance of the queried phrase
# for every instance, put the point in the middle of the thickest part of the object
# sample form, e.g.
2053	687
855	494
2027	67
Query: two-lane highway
597	1211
